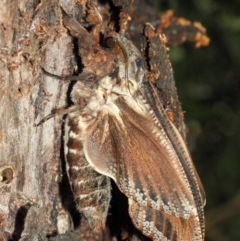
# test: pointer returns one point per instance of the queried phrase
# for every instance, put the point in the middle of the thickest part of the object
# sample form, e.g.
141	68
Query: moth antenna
65	78
126	60
61	111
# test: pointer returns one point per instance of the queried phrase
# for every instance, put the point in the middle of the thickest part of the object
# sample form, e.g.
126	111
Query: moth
118	129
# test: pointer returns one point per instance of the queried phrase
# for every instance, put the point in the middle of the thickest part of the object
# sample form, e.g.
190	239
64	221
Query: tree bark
31	36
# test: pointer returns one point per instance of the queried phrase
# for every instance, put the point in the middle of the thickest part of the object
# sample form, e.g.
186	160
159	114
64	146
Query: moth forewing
134	150
181	150
183	144
161	225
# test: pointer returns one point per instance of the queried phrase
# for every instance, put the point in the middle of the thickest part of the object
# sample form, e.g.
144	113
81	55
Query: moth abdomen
91	190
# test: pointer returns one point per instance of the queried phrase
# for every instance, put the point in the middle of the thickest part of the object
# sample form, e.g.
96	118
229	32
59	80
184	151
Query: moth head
130	64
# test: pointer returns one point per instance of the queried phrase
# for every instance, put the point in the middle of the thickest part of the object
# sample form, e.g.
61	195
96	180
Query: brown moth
117	133
118	129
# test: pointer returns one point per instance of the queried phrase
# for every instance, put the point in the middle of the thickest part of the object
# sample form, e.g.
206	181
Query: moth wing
159	225
132	149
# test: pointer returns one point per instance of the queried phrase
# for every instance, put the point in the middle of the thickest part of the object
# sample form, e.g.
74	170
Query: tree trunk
31	36
35	198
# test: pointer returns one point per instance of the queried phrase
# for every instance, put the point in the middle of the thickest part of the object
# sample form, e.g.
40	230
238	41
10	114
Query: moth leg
61	111
85	39
91	190
64	78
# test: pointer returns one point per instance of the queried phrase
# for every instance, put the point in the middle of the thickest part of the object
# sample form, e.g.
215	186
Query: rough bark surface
35	197
31	37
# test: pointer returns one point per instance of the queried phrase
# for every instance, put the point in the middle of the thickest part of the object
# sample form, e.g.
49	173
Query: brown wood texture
31	37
